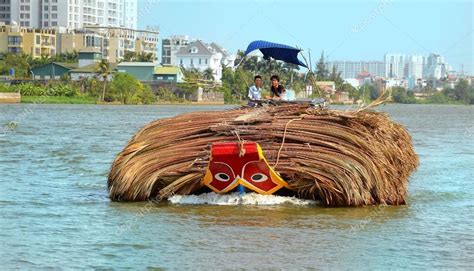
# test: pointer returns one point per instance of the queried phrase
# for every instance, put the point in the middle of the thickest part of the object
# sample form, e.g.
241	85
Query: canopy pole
240	62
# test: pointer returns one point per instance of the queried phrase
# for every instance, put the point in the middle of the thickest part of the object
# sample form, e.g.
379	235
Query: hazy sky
345	30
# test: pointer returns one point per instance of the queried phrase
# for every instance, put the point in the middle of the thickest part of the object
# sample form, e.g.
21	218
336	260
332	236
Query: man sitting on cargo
277	90
255	91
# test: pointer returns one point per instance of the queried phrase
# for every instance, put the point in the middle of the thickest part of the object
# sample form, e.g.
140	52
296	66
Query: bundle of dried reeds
340	158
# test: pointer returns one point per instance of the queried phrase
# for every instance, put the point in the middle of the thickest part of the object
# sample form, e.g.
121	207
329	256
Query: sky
344	30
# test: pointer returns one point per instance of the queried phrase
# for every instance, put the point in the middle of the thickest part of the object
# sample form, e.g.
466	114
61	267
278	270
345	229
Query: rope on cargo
283	140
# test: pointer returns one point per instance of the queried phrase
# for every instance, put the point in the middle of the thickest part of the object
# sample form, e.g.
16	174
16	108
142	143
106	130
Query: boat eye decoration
259	177
256	173
222	177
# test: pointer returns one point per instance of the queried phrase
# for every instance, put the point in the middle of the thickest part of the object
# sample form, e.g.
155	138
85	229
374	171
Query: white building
415	67
201	56
227	59
70	13
351	69
130	14
170	47
435	67
395	82
395	65
353	82
25	13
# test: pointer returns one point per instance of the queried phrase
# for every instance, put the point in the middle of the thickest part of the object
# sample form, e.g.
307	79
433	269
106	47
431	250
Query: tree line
235	82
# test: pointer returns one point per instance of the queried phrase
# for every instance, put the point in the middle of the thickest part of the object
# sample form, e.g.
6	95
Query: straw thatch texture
340	158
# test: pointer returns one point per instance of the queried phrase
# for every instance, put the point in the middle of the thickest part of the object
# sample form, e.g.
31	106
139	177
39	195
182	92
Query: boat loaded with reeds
300	149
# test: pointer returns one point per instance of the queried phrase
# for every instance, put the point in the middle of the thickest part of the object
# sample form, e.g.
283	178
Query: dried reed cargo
341	158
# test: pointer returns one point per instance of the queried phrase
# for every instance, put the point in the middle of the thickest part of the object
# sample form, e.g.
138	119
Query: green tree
165	94
335	76
129	56
440	98
321	70
103	71
461	91
242	80
373	92
21	63
145	57
251	64
124	87
354	93
191	75
400	95
208	74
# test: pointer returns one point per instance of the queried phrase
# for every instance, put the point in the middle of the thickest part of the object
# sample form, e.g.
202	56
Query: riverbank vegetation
124	88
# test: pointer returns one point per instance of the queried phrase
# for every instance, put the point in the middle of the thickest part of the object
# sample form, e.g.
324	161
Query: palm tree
250	64
208	74
103	70
145	57
129	56
71	56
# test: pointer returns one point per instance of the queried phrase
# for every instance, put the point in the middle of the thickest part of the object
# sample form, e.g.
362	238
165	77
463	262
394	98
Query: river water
55	212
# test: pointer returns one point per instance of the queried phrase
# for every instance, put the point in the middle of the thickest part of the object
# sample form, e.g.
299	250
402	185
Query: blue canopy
276	51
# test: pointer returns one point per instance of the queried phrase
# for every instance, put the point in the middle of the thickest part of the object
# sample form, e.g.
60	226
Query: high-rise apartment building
70	13
415	67
351	69
395	65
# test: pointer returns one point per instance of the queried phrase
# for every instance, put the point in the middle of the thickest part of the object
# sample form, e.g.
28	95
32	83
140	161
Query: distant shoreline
75	100
93	100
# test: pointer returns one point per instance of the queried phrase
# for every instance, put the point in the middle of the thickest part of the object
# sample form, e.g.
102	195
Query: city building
35	42
351	69
5	11
395	82
395	65
170	46
130	14
435	67
201	56
70	13
415	67
113	42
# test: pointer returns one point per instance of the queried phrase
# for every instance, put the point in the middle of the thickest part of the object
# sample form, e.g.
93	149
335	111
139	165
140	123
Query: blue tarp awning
276	51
